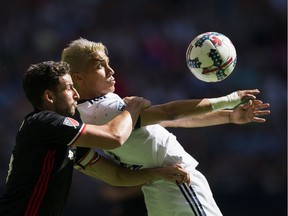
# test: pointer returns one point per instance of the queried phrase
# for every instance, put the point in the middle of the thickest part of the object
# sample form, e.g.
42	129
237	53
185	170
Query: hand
248	94
140	101
174	173
250	112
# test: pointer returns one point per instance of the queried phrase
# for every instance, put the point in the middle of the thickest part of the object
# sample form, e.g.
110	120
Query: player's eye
70	87
99	65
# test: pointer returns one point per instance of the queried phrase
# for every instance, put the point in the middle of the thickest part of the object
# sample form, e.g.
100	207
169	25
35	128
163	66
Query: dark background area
245	165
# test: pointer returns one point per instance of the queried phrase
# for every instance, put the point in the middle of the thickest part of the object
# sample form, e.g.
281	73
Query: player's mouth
111	81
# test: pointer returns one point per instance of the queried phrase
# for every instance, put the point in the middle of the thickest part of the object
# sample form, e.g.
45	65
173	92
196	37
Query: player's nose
110	71
76	95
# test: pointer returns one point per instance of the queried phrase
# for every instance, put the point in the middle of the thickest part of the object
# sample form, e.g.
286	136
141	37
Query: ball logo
215	40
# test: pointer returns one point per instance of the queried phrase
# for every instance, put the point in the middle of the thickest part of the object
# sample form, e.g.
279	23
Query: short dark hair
43	76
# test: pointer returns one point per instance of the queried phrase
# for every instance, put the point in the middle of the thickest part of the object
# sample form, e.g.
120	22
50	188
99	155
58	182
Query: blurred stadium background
245	165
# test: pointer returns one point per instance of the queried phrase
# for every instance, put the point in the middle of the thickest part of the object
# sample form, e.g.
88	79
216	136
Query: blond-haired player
151	145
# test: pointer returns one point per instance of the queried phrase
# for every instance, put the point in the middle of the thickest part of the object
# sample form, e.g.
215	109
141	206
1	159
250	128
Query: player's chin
109	89
112	88
72	111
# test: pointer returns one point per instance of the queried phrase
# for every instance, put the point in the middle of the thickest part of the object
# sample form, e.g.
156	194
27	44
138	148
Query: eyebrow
99	61
98	55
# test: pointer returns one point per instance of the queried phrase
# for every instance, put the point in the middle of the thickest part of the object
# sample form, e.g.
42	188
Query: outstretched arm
245	113
187	108
113	174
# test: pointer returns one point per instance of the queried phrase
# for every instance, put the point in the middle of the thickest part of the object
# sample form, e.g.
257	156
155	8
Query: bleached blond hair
78	53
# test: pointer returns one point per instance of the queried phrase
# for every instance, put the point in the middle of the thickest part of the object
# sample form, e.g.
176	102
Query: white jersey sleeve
101	110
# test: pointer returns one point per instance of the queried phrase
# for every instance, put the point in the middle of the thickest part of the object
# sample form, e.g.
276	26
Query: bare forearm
186	108
204	120
138	177
115	175
243	114
174	110
122	125
189	108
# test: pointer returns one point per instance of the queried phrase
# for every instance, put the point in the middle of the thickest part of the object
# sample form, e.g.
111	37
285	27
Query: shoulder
101	109
50	119
44	116
113	96
109	100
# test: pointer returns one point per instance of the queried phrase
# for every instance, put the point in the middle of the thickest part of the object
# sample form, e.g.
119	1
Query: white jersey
154	146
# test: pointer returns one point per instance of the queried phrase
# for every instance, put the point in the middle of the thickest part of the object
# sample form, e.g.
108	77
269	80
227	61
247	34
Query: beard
67	110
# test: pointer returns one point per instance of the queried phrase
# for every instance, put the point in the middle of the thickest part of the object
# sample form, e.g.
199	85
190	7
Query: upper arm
101	136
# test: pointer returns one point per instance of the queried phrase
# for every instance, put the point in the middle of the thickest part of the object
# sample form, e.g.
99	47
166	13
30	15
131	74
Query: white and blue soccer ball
211	57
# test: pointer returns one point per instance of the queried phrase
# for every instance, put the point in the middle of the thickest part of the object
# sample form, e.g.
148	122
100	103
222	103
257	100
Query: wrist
226	102
156	174
230	117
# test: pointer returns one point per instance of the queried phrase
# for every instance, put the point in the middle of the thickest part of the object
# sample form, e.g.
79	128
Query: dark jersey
41	165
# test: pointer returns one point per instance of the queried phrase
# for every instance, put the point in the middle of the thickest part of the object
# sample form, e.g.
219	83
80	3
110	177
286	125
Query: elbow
118	142
118	138
114	143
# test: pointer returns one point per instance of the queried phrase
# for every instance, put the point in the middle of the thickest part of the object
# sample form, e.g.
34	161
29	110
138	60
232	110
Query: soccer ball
211	57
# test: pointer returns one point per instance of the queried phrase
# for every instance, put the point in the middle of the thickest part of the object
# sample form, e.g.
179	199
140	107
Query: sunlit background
147	40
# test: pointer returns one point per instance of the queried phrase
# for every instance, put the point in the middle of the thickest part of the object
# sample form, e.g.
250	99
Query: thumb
246	105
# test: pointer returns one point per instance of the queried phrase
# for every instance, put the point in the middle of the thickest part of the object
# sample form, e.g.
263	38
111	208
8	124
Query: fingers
252	91
248	94
143	103
260	113
248	104
260	108
257	102
181	176
146	103
259	120
256	105
253	110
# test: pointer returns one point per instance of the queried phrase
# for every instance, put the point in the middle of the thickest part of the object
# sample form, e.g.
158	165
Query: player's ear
48	96
76	77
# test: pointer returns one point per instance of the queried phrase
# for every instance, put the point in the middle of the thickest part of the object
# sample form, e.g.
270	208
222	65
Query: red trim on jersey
78	135
90	158
95	159
41	185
